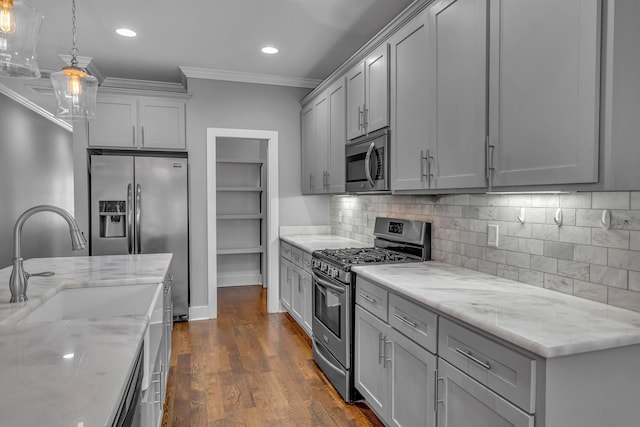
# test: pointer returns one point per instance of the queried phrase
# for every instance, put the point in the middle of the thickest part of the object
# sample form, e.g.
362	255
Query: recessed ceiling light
125	32
68	356
269	50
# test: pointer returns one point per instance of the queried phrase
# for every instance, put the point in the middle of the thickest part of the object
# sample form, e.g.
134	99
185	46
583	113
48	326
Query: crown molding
238	76
34	107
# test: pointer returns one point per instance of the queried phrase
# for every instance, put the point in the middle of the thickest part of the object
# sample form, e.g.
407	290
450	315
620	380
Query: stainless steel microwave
367	163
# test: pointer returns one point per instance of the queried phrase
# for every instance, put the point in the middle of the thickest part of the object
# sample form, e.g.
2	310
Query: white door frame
271	246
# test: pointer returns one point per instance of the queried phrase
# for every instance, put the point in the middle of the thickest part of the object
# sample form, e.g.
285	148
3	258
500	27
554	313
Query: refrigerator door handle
130	218
138	219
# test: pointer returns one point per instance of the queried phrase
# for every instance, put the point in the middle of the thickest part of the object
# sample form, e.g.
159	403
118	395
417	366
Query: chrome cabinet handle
360	118
387	360
423	158
138	219
429	173
130	218
367	164
142	131
381	343
133	129
406	321
437	401
365	116
468	355
489	168
368	298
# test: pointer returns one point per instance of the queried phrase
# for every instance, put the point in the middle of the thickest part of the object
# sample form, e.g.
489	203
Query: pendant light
75	89
19	28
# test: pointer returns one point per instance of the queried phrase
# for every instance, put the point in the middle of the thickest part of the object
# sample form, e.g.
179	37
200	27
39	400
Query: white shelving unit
240	175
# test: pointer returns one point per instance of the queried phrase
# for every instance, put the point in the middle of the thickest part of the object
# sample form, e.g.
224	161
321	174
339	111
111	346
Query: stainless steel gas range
396	240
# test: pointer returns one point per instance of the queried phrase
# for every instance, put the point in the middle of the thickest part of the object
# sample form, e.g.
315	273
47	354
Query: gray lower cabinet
394	374
295	284
464	402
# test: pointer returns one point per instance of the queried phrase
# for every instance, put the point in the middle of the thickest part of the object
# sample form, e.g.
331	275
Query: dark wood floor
250	368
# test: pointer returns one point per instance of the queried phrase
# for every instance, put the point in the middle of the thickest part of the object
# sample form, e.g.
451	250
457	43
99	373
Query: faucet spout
19	278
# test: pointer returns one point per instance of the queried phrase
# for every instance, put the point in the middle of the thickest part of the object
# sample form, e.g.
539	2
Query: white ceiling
314	36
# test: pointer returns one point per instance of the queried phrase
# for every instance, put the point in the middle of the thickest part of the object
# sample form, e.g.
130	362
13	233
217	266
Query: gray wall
234	105
36	167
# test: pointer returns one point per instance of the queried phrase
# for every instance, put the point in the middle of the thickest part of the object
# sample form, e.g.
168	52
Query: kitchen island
72	372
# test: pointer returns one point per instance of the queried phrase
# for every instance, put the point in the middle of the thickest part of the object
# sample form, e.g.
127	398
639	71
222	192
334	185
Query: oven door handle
367	164
327	284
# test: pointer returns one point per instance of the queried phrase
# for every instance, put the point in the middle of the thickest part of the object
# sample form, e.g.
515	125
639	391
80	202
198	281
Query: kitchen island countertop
41	387
313	242
545	322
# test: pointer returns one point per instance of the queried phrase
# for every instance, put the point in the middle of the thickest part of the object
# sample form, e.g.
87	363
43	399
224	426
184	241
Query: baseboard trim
199	313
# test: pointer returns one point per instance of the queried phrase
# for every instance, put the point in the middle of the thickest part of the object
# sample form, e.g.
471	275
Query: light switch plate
492	235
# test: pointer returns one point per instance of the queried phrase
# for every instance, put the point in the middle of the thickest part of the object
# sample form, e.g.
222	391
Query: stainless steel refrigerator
139	205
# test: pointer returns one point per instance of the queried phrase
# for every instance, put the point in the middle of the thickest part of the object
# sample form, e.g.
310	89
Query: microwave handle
367	164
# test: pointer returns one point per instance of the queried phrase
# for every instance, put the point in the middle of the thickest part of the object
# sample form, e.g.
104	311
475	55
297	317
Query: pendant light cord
74	50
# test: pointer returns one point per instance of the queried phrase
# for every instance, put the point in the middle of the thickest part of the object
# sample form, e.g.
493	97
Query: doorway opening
242	212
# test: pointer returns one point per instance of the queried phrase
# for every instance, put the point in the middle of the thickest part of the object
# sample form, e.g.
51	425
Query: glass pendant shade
19	29
75	92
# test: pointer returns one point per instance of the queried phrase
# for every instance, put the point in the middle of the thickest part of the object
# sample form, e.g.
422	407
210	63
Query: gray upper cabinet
368	94
138	123
438	102
457	110
409	102
544	91
323	122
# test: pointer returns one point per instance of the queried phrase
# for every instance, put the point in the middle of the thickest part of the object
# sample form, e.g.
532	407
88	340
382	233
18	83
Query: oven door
331	311
367	163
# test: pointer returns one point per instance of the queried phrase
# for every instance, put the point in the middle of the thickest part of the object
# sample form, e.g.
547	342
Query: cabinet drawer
296	256
285	250
505	371
372	297
414	321
306	261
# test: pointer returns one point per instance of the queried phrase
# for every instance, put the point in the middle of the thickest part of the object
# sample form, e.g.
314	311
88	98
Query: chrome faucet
19	278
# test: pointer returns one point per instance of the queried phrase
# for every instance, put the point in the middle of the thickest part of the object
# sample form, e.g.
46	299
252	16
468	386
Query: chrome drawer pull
368	298
470	356
405	320
381	348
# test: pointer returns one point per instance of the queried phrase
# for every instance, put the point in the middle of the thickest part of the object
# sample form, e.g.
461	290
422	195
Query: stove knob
324	267
315	263
334	273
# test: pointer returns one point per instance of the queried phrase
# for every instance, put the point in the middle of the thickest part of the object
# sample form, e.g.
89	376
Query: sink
96	303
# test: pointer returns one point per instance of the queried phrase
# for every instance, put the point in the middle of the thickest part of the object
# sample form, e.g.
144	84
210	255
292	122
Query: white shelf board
239	216
232	160
254	250
239	188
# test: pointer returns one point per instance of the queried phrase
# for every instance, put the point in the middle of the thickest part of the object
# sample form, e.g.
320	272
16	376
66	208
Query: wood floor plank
251	368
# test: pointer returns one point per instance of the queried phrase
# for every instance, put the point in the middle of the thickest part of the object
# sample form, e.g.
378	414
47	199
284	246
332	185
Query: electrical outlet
492	235
340	217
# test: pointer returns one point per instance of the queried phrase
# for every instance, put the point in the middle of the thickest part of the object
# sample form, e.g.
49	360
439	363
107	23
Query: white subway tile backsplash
580	257
611	200
609	276
618	239
573	269
590	254
558	250
590	291
544	264
558	283
628	260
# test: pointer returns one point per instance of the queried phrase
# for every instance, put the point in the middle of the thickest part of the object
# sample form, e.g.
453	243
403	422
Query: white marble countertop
545	322
313	242
38	386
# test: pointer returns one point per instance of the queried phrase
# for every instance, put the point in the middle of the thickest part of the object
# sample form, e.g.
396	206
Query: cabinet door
307	315
371	375
376	113
355	101
285	284
297	303
321	161
463	402
458	57
410	94
115	124
162	124
337	136
412	383
544	91
308	128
